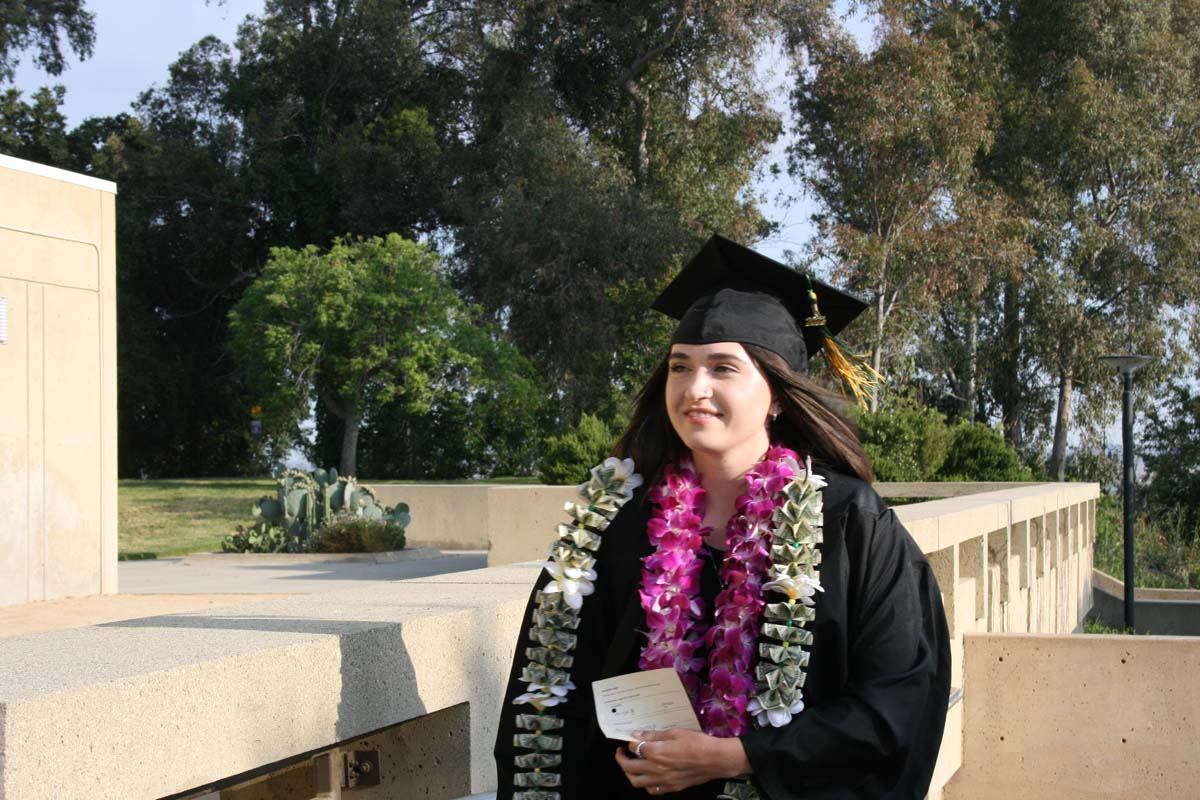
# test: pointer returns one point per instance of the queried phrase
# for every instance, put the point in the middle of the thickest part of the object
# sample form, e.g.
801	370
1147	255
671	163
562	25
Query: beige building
58	384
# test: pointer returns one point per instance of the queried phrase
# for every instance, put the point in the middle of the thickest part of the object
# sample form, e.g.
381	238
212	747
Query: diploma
643	701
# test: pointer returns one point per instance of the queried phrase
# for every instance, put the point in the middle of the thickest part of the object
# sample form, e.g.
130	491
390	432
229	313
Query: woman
756	561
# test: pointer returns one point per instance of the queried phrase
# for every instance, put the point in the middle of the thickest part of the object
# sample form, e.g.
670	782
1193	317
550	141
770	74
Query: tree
482	418
1096	144
607	142
1172	456
342	120
885	141
41	25
367	323
36	130
323	121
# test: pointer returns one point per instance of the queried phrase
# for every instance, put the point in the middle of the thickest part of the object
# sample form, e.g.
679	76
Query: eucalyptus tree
1101	150
607	141
885	141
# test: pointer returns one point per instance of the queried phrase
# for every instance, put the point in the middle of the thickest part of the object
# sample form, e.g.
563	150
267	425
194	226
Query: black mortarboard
730	293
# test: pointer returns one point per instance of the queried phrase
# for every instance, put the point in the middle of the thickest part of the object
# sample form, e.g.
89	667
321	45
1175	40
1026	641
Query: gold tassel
860	377
852	369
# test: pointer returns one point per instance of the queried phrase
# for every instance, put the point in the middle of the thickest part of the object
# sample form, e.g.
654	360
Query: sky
135	45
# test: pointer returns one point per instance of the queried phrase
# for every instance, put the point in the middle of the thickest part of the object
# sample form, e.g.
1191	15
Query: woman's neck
723	477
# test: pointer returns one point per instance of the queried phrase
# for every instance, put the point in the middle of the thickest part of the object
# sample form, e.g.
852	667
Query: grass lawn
171	518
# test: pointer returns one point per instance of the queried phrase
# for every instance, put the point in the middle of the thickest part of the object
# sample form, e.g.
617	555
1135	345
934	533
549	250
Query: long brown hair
810	422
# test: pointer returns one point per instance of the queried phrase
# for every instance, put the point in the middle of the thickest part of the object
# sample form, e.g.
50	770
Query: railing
173	704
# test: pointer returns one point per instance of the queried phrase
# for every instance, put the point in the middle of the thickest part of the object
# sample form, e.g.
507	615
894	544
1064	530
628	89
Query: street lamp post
1127	365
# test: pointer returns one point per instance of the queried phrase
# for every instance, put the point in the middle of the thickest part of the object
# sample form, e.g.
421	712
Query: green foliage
35	130
608	141
368	323
1095	464
1172	457
41	25
322	119
886	141
304	503
979	453
484	418
1166	552
1093	625
349	533
567	458
906	441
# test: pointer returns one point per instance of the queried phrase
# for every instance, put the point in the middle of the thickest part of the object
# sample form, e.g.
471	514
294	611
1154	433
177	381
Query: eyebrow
711	357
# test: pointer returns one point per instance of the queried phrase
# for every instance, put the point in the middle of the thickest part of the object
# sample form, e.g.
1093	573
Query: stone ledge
228	689
240	559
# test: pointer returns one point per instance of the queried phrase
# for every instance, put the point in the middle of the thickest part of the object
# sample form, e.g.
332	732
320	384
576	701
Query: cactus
303	503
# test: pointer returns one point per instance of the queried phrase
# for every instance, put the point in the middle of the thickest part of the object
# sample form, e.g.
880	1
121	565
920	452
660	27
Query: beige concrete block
51	203
445	516
72	442
36	426
972	565
1069	716
950	755
888	489
108	394
524	521
16	539
338	666
58	442
1028	505
51	262
1116	587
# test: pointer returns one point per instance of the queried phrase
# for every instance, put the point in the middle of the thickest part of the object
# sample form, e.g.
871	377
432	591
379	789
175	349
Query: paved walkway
192	583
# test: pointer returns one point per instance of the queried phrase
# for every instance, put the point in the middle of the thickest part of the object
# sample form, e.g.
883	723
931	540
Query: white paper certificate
643	701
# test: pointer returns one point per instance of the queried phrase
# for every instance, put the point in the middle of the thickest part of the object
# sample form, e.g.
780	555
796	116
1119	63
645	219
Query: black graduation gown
878	677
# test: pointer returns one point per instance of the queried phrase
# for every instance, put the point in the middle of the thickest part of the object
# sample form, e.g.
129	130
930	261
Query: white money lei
782	662
555	616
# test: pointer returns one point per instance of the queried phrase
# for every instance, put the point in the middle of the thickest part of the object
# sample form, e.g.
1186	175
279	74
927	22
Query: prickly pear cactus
304	502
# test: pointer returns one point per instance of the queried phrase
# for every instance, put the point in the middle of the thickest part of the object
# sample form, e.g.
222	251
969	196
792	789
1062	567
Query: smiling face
718	400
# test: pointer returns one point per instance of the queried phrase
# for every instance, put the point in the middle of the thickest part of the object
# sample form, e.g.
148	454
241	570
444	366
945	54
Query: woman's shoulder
845	493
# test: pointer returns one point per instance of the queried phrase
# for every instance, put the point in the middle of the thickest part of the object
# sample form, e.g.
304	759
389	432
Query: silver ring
637	751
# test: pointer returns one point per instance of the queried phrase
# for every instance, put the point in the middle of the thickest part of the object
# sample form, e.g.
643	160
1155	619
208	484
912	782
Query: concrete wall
516	523
1080	718
58	410
1169	612
153	707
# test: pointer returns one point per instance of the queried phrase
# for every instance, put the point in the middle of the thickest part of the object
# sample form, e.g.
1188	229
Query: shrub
906	441
349	533
1172	457
979	453
1165	556
568	458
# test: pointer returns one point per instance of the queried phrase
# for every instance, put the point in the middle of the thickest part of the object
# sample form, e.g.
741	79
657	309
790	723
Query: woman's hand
674	760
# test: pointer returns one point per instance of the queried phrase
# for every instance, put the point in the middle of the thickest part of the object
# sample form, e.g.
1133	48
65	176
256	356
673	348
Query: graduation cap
730	293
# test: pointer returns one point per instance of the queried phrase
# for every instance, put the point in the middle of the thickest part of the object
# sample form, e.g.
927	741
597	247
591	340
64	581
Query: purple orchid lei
671	584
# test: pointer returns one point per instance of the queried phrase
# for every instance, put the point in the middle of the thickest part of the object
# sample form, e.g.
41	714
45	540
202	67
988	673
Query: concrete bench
165	705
